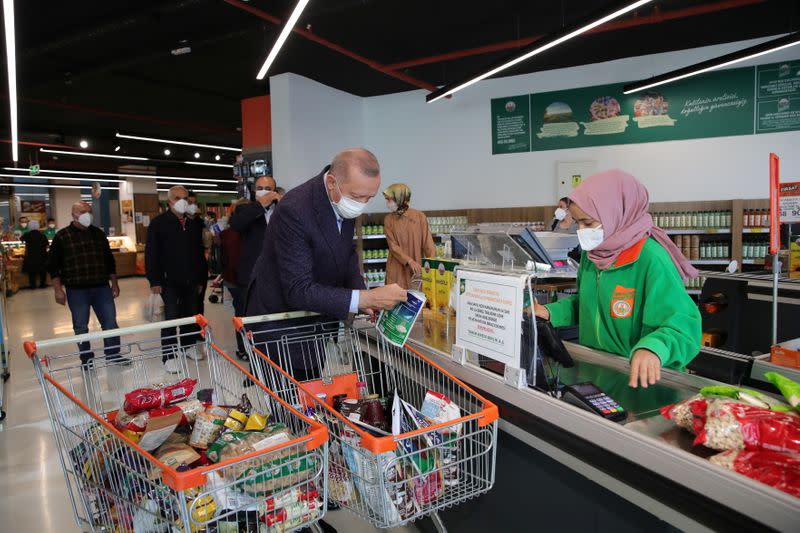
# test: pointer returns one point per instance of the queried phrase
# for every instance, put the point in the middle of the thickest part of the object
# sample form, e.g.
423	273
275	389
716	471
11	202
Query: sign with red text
790	202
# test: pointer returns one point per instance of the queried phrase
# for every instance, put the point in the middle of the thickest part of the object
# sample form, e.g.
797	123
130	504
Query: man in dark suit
251	221
309	260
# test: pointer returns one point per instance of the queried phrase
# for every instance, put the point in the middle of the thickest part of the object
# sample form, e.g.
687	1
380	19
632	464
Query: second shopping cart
407	439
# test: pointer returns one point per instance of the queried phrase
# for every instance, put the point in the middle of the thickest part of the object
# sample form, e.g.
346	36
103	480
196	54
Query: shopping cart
115	485
390	478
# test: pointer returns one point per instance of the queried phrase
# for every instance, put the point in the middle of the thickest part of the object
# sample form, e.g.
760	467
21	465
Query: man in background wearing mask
251	221
22	227
51	230
81	264
309	260
175	265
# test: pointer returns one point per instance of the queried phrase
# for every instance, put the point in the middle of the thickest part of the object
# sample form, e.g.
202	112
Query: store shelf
373	237
373	284
711	262
699	231
755	230
693	291
752	261
374	260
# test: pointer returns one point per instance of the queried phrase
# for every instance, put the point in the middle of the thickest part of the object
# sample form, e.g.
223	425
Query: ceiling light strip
182	143
47	186
117	175
11	61
287	29
207	164
203	190
542	45
39	176
189	184
768	47
93	154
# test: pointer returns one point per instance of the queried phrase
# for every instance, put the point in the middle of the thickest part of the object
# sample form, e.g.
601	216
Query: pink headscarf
620	202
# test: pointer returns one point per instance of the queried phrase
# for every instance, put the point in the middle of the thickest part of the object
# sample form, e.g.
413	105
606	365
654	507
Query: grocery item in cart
145	399
158	429
735	426
280	470
776	469
207	428
175	454
440	409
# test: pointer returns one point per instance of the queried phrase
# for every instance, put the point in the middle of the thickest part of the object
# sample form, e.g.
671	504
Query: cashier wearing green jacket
631	299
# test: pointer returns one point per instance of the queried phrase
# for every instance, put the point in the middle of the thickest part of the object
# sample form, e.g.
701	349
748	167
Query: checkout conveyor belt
646	454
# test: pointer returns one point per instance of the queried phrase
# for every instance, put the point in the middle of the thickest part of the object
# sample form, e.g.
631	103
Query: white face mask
260	193
391	205
51	226
191	209
85	219
348	208
24	225
180	206
560	214
590	238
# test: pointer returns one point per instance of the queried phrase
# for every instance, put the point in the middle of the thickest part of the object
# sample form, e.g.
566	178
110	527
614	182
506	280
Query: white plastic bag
154	308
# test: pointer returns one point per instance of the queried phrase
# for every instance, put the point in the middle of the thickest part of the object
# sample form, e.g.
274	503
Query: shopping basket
115	485
391	479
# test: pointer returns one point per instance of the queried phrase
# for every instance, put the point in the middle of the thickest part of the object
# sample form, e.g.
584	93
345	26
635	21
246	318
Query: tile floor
33	496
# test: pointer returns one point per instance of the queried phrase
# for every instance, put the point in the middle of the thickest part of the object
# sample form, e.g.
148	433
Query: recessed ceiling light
117	148
167	151
197	155
84	144
217	157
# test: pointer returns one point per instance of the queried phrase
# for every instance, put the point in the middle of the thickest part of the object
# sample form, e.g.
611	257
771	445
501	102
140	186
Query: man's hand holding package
382	298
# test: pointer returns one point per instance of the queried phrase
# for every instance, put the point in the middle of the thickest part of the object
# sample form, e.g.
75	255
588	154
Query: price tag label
790	202
756	230
712	231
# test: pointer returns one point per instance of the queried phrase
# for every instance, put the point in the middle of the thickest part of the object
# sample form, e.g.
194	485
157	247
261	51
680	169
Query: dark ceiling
91	68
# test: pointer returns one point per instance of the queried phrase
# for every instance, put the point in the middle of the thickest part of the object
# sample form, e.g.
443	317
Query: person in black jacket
251	221
175	265
35	262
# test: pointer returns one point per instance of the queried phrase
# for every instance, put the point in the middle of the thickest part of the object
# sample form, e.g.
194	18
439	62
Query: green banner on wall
742	101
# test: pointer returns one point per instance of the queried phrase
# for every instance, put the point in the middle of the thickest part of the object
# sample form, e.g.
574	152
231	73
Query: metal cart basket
116	485
386	478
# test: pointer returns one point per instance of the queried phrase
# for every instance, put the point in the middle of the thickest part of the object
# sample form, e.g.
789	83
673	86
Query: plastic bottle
694	219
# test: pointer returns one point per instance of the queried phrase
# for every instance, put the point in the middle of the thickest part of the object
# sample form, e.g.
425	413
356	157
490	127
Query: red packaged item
779	470
189	409
735	426
146	399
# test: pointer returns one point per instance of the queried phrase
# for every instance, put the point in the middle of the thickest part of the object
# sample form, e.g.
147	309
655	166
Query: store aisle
33	495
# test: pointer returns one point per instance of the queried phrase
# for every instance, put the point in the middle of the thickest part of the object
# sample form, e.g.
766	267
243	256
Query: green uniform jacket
640	302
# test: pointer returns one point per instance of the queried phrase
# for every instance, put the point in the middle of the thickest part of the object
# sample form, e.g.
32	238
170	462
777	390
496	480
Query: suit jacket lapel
326	219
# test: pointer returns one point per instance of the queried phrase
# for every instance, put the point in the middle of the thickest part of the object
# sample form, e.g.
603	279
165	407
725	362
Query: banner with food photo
717	104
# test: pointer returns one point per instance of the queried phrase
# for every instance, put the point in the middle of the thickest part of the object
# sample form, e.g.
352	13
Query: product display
779	470
693	219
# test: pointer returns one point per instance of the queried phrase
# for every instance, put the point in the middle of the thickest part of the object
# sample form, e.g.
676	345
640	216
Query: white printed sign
790	202
489	314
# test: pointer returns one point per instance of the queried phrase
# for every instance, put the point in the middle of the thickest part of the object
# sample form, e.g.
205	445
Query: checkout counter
560	466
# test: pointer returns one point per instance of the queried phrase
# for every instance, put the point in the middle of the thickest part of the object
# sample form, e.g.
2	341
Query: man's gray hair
174	189
360	158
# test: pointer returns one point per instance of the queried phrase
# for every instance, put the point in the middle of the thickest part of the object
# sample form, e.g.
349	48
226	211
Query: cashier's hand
416	268
381	298
540	310
61	296
645	369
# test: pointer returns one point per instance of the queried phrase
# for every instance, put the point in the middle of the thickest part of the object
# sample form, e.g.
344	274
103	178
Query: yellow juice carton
794	257
444	280
429	267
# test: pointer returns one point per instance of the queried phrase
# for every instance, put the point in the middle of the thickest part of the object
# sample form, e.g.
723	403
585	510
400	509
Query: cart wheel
2	415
